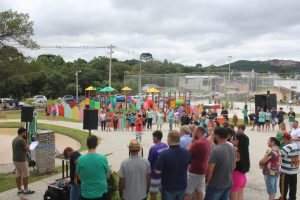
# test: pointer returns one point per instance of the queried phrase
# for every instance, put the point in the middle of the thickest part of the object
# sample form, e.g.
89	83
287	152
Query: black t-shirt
224	113
251	116
280	115
203	114
185	120
74	156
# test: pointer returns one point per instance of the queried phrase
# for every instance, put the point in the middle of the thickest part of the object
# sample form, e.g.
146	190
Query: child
138	128
132	120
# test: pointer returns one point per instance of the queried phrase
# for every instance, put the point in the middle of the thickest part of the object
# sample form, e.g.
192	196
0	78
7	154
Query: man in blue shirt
185	139
172	164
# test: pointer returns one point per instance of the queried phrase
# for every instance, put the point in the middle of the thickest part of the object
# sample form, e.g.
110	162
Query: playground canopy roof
153	90
169	90
90	88
107	89
98	89
126	89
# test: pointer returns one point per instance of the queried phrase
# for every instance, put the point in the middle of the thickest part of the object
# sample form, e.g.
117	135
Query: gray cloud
190	31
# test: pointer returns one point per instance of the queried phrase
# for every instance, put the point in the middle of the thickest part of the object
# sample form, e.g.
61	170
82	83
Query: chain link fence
214	85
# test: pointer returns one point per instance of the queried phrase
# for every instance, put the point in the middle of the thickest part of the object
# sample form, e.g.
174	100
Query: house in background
199	83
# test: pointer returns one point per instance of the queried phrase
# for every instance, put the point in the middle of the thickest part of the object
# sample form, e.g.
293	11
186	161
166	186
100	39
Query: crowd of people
205	159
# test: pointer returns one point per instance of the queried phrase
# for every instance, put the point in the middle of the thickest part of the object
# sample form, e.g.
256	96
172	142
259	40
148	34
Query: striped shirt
290	158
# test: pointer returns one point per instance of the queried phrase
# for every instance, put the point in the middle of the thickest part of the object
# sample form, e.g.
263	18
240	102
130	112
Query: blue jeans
171	124
271	183
75	192
213	193
172	195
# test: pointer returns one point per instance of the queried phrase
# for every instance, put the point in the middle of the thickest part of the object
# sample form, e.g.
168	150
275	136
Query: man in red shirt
200	151
138	128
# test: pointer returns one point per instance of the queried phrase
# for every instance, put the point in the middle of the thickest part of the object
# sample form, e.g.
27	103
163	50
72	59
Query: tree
198	65
16	27
146	57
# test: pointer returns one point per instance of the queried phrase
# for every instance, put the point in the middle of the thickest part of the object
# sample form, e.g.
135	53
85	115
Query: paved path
116	143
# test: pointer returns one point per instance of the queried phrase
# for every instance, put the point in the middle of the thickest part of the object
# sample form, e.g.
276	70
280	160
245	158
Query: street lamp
76	74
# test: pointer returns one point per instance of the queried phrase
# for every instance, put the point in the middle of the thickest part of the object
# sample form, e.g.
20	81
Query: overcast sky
182	31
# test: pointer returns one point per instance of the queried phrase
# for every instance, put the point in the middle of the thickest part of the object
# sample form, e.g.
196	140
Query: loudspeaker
26	114
90	119
266	101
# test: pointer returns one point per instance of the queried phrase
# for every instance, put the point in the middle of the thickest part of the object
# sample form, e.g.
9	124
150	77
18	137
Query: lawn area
7	181
16	114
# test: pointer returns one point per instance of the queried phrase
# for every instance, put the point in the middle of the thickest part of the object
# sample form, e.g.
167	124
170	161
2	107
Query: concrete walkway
116	143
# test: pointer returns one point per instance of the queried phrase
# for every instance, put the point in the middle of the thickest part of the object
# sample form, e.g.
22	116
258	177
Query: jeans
173	195
288	183
75	192
149	124
213	193
271	184
171	124
103	124
115	124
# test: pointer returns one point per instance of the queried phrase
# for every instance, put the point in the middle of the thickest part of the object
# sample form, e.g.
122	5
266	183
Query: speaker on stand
27	116
90	120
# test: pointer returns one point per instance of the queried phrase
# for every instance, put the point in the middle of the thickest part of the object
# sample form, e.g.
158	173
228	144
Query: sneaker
20	192
28	191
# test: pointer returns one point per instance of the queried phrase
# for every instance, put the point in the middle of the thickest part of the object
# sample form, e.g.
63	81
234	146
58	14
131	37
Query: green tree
16	27
146	57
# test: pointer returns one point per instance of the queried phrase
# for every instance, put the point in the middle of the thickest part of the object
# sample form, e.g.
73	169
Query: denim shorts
271	184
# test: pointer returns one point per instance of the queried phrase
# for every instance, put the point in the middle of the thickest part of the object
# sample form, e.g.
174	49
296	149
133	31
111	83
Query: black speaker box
90	119
26	114
265	101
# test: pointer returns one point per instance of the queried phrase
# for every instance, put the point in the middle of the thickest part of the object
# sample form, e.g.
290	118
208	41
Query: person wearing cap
289	168
20	148
69	153
172	165
134	175
93	172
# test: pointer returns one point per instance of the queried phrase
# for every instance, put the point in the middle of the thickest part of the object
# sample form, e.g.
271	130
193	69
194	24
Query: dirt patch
8	134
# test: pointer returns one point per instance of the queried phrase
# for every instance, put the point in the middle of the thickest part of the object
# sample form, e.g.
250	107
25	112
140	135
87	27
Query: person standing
241	131
171	118
134	175
185	137
239	179
245	113
280	133
116	120
160	120
274	117
102	117
185	120
224	113
128	117
220	167
69	153
292	116
154	153
289	168
280	115
270	165
121	121
108	120
172	164
199	151
261	120
20	147
149	119
47	111
93	172
176	116
138	123
268	120
295	133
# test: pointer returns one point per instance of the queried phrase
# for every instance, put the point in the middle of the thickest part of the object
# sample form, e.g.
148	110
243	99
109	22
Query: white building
198	83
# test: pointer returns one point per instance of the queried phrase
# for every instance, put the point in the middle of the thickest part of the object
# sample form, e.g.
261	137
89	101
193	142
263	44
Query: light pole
109	71
140	78
76	74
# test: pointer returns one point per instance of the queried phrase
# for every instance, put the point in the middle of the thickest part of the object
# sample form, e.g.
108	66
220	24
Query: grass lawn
7	181
16	114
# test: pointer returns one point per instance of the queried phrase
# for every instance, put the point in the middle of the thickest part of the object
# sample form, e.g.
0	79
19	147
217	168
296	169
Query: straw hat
134	145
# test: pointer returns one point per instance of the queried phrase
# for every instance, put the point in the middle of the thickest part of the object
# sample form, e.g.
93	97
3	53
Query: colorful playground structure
106	99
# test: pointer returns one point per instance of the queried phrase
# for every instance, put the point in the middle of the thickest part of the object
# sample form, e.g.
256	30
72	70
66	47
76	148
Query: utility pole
76	74
109	71
140	78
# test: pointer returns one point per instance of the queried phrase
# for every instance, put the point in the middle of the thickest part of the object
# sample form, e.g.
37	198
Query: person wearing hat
20	148
134	175
289	168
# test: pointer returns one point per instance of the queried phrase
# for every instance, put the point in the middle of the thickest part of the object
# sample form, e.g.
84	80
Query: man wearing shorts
20	148
154	152
200	151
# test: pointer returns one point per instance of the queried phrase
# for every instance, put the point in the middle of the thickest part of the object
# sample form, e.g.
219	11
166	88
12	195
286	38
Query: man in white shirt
295	133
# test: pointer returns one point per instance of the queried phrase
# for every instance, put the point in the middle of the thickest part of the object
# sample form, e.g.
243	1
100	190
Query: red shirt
138	124
200	151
